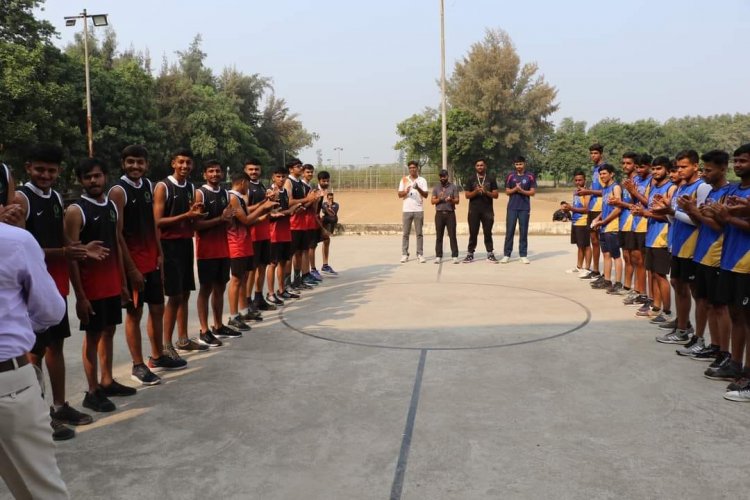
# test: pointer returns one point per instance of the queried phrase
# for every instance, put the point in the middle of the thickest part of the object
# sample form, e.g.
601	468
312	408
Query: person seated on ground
561	215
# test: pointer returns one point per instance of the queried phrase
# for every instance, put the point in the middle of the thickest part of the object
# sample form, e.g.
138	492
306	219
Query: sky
353	69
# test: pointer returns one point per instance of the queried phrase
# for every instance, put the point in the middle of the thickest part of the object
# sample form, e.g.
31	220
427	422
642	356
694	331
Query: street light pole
443	113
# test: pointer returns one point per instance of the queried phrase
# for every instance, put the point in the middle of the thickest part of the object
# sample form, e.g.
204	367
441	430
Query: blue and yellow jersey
640	224
614	224
684	235
709	243
595	202
735	253
657	231
579	219
626	216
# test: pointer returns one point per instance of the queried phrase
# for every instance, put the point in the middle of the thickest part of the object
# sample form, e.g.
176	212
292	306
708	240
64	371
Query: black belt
12	364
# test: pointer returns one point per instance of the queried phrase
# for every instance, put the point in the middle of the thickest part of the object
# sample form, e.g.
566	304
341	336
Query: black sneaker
69	415
491	258
60	432
238	323
601	284
116	389
262	305
224	332
708	353
726	369
273	299
694	346
615	289
584	275
740	383
286	295
469	258
591	276
189	345
208	339
142	374
97	401
251	315
165	363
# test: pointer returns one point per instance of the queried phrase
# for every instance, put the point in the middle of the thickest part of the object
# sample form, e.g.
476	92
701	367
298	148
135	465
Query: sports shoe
740	395
591	275
694	345
316	275
659	319
69	415
575	270
404	258
644	310
630	298
643	299
252	316
504	260
437	260
171	352
525	260
209	339
455	260
238	324
727	370
116	389
615	289
273	299
469	258
721	357
60	432
621	291
584	274
97	401
286	295
262	305
670	325
142	374
189	345
601	284
676	337
598	281
166	363
421	259
492	259
224	332
708	353
328	270
741	382
654	312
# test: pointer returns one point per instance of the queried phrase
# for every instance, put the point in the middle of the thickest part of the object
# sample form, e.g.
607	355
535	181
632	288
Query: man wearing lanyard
520	187
29	301
413	190
445	198
480	190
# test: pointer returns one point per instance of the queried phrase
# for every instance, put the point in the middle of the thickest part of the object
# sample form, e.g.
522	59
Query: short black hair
646	159
563	202
307	166
252	161
293	162
579	172
596	147
211	163
182	152
47	153
323	174
413	162
483	160
238	177
662	161
134	150
742	150
609	168
280	171
519	159
630	155
87	165
690	154
716	157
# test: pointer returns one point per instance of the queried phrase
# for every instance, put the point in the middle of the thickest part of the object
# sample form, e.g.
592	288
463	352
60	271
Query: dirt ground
383	206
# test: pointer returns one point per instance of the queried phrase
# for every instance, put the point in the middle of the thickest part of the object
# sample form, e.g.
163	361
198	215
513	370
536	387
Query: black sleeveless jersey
44	219
100	279
179	199
255	193
138	224
298	189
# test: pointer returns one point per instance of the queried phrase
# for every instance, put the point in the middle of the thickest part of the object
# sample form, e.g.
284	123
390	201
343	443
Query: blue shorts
610	243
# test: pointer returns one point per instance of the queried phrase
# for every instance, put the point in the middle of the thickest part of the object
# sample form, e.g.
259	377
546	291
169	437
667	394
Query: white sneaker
524	260
455	260
437	260
505	260
404	258
575	270
421	259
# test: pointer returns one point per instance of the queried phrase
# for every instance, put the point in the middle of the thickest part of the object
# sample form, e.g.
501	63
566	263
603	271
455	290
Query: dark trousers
522	217
486	218
445	219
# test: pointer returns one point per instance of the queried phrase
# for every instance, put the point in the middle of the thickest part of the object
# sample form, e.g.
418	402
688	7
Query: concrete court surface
423	381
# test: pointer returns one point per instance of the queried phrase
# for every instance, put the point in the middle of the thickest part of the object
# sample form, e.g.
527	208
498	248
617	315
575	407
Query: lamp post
99	20
339	149
367	177
443	114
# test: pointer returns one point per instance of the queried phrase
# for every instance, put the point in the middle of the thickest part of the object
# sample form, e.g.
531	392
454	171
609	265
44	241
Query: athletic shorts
153	289
734	288
107	312
330	226
658	260
580	236
590	216
238	266
610	243
683	269
213	271
707	284
261	253
314	237
626	240
300	240
179	276
58	332
281	251
640	241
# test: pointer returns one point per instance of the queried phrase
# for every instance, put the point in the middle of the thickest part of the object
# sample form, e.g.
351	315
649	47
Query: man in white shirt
29	302
413	190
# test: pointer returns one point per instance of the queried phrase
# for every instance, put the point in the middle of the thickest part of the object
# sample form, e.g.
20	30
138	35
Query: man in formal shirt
29	302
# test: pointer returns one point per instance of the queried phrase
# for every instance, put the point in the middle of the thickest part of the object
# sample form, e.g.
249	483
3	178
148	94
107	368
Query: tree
18	25
280	132
567	150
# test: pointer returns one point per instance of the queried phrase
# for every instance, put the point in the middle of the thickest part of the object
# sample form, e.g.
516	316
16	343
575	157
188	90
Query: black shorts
179	276
313	237
734	288
330	226
238	266
107	312
213	271
658	260
153	289
54	333
281	251
300	240
580	236
610	243
707	284
683	269
261	253
590	216
640	241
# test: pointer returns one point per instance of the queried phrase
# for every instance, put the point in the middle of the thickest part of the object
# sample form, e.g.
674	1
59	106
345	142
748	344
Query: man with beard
257	194
481	189
445	198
